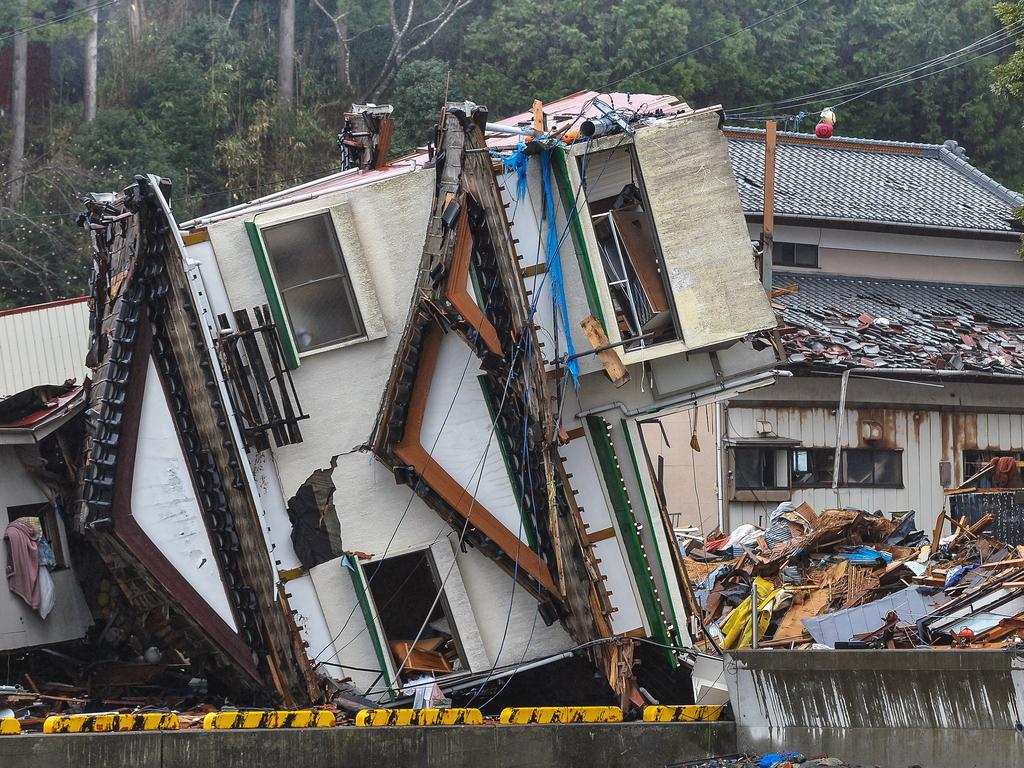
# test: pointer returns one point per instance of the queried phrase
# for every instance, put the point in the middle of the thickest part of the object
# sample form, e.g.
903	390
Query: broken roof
864	180
834	322
34	413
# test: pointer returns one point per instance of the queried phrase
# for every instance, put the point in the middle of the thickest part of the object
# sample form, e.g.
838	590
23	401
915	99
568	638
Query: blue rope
554	263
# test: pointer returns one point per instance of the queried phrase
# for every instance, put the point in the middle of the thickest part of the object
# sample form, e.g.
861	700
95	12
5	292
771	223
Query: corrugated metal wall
925	436
43	345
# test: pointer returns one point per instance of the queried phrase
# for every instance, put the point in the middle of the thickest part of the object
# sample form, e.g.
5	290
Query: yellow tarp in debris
738	628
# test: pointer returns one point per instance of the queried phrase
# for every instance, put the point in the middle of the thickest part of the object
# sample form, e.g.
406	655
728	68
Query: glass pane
805	255
860	468
322	313
749	468
303	250
888	468
782	254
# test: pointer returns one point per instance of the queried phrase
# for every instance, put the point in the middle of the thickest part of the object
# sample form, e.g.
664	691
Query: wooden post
768	223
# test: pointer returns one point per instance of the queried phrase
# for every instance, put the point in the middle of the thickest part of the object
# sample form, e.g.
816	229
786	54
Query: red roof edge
39	307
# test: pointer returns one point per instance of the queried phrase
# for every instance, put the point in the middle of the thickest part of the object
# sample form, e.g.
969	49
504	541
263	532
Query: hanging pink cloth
23	562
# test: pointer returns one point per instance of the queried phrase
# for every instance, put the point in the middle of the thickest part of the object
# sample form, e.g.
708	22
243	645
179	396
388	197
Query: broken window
975	461
812	467
794	255
404	589
47	515
310	273
757	469
872	467
628	244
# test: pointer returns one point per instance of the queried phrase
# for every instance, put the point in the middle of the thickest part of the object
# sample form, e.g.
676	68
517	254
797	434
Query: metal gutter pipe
691	397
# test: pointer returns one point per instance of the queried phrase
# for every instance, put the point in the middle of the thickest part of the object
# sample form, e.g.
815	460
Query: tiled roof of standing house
864	180
834	322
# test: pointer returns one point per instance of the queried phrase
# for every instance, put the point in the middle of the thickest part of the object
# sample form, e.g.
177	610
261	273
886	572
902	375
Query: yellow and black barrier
684	713
9	726
101	723
381	717
280	718
528	715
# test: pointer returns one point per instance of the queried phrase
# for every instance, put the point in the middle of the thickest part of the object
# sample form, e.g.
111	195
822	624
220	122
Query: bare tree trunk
19	77
91	54
344	67
136	20
286	52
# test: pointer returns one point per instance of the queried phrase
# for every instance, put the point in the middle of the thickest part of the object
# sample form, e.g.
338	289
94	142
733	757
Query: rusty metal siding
926	437
45	344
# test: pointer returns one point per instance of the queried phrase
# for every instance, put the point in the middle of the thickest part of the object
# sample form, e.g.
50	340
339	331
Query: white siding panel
43	345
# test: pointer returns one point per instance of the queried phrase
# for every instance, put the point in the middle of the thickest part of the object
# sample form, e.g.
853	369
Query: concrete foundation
620	745
891	708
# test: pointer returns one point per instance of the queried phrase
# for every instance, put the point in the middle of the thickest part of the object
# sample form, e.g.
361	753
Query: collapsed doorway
417	624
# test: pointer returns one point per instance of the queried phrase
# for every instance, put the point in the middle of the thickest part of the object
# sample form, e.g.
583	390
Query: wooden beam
768	224
611	359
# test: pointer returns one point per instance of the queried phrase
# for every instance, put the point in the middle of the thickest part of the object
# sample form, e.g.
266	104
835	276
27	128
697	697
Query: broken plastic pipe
509	129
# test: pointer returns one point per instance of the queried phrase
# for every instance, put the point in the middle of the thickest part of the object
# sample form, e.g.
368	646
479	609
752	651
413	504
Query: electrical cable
674	59
56	20
889	78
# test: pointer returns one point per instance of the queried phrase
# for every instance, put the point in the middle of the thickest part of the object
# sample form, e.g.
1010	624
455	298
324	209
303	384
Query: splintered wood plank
610	358
792	623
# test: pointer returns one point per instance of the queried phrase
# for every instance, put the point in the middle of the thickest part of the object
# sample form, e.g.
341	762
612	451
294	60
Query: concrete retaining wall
625	745
893	708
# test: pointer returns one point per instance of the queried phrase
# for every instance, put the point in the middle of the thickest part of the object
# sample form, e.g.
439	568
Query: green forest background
190	89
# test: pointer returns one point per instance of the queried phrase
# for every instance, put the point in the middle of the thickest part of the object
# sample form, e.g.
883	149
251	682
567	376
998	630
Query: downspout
720	464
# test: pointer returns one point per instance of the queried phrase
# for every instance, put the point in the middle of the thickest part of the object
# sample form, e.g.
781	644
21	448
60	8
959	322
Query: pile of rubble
767	760
850	579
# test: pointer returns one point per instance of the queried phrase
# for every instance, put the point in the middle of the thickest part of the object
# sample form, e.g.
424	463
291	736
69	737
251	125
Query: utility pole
19	78
91	55
768	220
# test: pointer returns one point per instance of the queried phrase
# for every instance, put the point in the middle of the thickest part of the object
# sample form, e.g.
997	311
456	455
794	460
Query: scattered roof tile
835	322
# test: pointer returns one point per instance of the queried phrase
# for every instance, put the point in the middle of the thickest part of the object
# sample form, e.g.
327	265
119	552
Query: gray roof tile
835	322
917	185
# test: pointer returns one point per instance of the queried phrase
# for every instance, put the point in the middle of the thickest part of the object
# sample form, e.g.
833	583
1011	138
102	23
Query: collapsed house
896	264
385	426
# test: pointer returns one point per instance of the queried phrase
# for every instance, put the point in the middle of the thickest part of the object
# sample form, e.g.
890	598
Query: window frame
778	493
808	449
777	251
356	271
446	569
46	511
844	474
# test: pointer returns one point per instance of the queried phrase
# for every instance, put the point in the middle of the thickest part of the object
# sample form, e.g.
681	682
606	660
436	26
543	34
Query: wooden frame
411	451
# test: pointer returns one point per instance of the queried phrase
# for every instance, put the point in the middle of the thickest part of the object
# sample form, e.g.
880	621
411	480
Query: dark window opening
47	515
759	469
794	255
317	293
812	467
628	244
872	467
975	461
403	589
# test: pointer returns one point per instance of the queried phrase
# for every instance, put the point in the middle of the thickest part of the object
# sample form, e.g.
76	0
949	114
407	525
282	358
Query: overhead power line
56	20
989	44
645	70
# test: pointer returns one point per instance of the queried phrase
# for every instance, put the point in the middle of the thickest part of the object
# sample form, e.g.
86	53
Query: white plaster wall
910	257
341	390
20	626
164	501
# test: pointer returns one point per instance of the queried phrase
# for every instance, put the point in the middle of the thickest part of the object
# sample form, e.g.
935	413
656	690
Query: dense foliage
188	88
